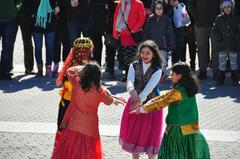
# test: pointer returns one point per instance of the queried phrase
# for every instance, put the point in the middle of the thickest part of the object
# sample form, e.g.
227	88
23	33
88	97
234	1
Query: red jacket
136	19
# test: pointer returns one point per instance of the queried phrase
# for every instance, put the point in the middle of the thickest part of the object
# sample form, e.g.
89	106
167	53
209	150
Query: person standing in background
190	39
97	17
131	13
159	29
61	38
226	32
24	21
204	13
77	18
110	50
44	24
7	26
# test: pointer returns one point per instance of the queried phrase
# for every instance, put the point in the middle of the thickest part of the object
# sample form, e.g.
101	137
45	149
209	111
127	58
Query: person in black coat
204	13
97	26
24	21
226	32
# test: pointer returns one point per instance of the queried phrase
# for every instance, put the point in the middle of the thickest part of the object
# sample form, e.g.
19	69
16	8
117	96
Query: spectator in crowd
110	49
180	19
159	29
24	21
131	13
97	17
200	9
7	26
44	12
190	40
77	18
226	32
61	38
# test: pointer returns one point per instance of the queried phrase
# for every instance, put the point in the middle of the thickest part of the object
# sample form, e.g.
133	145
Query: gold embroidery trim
190	129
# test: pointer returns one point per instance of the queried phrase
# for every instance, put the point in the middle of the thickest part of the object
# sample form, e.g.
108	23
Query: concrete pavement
28	112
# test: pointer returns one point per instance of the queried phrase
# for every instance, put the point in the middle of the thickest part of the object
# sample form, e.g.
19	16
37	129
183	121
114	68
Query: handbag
111	41
137	36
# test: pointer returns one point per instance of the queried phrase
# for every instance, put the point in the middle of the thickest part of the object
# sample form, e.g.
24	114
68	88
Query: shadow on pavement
23	82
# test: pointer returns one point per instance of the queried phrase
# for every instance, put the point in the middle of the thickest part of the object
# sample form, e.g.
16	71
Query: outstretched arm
159	102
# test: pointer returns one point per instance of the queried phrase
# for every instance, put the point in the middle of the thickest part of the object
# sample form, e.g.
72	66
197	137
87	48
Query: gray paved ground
29	99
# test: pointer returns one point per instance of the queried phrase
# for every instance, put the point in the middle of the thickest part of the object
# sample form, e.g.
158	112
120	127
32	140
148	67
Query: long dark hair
156	60
162	3
188	81
90	75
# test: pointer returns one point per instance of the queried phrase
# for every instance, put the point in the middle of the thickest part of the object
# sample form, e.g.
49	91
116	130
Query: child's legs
233	61
222	61
164	57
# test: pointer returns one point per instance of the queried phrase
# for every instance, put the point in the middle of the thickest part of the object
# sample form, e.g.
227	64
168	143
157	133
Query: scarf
123	10
42	14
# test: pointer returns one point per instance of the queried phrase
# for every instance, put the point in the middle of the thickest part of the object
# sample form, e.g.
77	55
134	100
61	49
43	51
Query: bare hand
134	96
120	98
136	111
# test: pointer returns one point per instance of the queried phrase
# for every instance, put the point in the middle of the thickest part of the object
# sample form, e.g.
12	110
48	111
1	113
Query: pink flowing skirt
141	133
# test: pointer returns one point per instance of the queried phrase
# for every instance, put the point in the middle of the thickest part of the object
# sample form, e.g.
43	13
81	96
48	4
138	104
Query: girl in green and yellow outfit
182	138
80	54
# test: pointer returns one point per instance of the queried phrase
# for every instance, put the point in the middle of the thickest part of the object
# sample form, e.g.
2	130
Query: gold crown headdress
80	54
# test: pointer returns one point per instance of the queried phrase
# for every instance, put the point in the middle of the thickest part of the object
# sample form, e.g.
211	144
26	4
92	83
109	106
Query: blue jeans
49	44
75	28
7	29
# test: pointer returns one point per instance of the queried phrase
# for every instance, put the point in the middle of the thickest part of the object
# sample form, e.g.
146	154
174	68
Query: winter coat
226	32
136	20
160	30
204	12
79	13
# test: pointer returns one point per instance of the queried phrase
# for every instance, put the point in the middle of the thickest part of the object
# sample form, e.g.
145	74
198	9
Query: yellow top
162	101
66	91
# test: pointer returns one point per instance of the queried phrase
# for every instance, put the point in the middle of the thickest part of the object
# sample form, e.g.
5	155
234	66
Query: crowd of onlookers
210	28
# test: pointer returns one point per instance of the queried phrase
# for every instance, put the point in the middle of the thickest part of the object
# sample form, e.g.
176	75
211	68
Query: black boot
235	79
220	78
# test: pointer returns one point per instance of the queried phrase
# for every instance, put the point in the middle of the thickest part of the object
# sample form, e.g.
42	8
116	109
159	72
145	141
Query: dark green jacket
7	10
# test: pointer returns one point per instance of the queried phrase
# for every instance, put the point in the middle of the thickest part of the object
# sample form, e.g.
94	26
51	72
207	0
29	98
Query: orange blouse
81	115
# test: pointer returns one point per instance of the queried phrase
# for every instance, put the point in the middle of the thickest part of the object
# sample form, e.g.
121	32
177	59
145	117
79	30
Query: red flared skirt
75	145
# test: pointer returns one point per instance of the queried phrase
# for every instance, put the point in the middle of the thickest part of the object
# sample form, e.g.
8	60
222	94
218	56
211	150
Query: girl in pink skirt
143	133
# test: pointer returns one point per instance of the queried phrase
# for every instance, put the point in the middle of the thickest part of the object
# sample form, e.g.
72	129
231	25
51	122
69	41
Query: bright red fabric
75	145
136	20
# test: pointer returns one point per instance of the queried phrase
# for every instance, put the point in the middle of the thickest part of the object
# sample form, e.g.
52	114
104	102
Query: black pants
61	111
191	41
61	38
98	45
110	57
25	23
